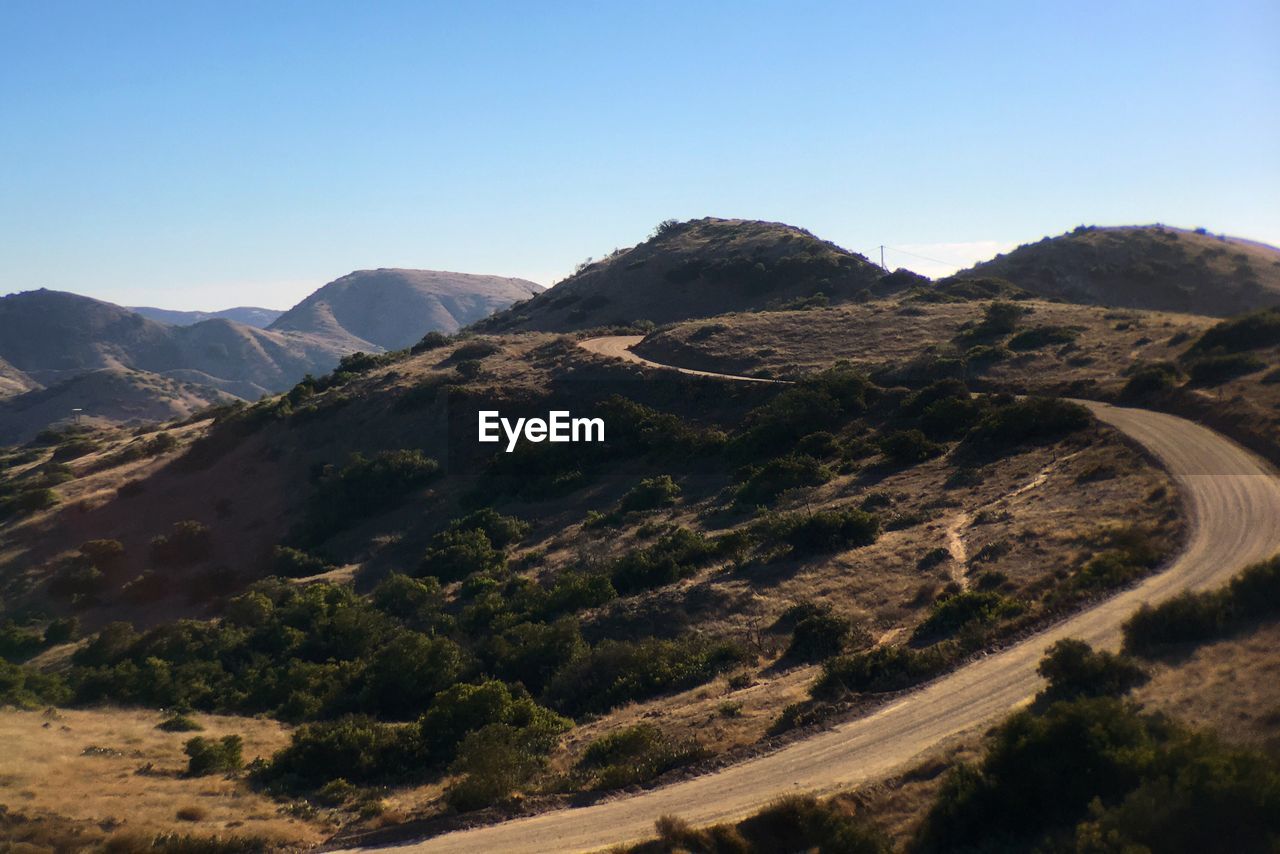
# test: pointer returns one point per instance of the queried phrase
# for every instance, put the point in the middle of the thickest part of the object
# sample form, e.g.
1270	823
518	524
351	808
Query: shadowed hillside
391	309
1152	267
697	268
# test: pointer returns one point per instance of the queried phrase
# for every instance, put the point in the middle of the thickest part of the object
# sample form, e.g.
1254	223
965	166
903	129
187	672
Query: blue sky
199	155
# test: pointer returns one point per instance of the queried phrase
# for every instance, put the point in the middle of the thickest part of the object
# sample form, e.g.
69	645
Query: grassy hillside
385	309
14	381
546	606
1150	267
697	268
106	396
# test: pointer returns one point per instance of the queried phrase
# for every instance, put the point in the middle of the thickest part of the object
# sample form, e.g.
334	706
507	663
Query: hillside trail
1233	506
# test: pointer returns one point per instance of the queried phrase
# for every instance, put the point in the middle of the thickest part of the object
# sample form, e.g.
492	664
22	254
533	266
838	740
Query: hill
1152	267
388	309
697	268
107	396
14	381
248	315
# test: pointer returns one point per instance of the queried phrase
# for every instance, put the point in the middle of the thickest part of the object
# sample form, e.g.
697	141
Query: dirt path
1233	503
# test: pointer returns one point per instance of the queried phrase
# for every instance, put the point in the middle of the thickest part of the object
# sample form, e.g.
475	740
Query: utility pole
882	266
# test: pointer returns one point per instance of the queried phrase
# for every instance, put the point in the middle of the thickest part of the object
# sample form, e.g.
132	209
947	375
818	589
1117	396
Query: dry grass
115	769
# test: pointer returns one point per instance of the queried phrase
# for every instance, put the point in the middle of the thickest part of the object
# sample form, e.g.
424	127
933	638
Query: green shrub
635	754
1032	420
365	487
431	341
1152	379
650	494
762	484
1095	774
617	672
1192	618
675	555
495	760
28	688
1251	331
1217	369
818	637
825	531
953	613
530	653
294	563
179	723
455	554
1073	669
356	749
211	756
821	445
464	709
188	542
908	447
884	668
407	672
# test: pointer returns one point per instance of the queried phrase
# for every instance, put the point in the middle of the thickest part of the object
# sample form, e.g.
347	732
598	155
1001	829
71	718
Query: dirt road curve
1233	500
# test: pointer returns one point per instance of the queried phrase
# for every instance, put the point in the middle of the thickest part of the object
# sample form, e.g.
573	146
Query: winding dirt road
1233	503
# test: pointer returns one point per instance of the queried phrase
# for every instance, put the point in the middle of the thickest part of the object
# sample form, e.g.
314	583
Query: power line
922	257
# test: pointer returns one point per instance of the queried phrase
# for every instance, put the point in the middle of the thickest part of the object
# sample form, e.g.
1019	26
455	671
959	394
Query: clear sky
201	155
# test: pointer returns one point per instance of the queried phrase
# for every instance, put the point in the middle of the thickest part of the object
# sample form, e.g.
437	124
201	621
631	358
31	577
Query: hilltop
389	309
260	318
1151	267
698	268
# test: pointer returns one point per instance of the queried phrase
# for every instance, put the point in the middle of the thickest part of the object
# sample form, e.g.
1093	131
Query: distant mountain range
260	318
61	351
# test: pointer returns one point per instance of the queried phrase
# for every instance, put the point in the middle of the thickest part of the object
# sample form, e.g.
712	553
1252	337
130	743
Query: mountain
1151	267
52	336
248	315
697	268
388	309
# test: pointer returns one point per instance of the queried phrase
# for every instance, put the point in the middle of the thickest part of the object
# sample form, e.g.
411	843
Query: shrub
502	531
616	672
1153	379
1187	618
1098	773
1042	336
356	749
636	754
431	341
764	483
495	760
294	563
364	487
27	688
189	542
953	613
675	555
209	756
825	531
649	494
179	723
908	447
405	673
62	630
1247	332
1221	368
818	637
1029	421
1073	669
474	350
464	709
456	554
884	668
